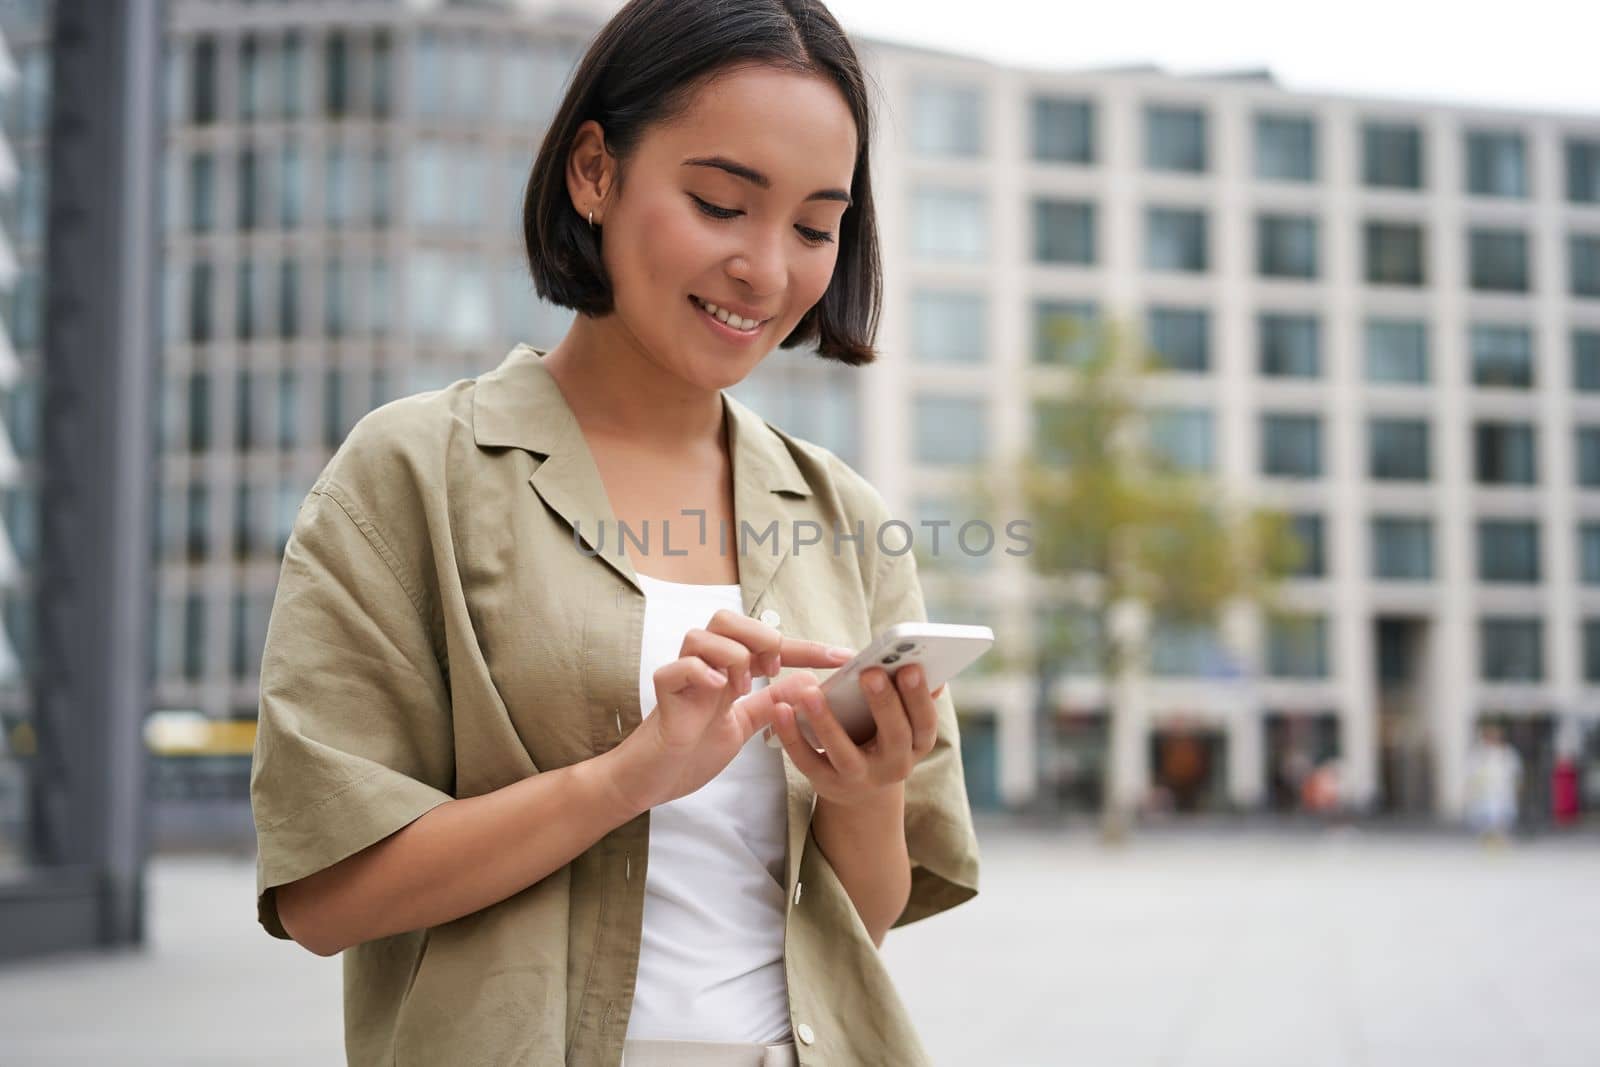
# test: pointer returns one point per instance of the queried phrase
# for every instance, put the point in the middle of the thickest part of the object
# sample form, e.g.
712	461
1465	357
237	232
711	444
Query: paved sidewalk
1209	948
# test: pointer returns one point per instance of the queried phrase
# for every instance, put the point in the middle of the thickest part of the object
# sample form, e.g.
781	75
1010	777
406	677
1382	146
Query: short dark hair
641	69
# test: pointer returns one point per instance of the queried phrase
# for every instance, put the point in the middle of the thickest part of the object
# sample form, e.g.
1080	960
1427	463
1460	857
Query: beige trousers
636	1053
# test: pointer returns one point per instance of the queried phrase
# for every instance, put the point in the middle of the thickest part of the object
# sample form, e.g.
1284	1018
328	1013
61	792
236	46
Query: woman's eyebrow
750	174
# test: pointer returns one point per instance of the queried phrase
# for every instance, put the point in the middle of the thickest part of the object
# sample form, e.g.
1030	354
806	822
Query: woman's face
737	204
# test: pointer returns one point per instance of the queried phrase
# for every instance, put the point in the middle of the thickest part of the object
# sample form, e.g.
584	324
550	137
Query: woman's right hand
705	710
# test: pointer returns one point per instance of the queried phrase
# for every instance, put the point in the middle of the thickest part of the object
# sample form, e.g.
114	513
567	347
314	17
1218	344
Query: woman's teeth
723	315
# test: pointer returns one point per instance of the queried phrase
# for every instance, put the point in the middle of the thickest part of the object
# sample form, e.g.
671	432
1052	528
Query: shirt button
805	1034
770	617
797	887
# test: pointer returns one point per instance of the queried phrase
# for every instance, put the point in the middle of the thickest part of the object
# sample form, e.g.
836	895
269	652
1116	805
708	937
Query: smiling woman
553	808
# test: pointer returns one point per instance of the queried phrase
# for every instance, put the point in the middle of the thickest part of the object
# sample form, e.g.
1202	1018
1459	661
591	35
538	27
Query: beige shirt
438	633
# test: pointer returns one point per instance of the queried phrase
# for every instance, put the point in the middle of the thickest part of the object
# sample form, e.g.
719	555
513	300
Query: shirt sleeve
354	739
939	832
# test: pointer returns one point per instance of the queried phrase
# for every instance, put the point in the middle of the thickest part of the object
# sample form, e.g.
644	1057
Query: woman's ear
590	171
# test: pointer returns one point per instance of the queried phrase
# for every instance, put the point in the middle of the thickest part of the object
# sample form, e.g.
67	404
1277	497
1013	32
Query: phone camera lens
891	657
906	647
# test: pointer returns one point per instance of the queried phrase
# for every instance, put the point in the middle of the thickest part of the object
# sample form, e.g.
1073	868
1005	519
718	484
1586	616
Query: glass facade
1402	548
1064	331
1297	646
1175	239
946	120
1502	355
1180	338
1183	438
1499	260
1063	231
1397	450
1397	351
1291	446
948	326
1511	649
1586	360
1508	550
1497	164
1286	148
1290	346
1582	158
1395	254
1391	155
949	429
1505	453
1063	129
1583	265
949	224
1286	246
1175	139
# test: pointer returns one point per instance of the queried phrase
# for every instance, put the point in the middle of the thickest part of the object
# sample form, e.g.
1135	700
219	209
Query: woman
540	783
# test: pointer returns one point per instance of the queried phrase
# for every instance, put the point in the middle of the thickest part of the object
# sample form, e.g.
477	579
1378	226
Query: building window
1309	533
291	186
382	90
1591	650
1583	171
199	411
1583	265
1183	438
253	89
1297	646
949	224
1402	549
1397	351
1063	231
1286	148
336	76
1497	164
194	637
949	429
944	537
1175	239
244	529
946	120
1180	338
1291	446
1508	550
290	81
1588	443
1286	246
251	191
1064	331
244	421
1290	346
339	187
288	410
288	298
948	326
202	192
1063	129
247	314
336	291
203	82
1502	356
1511	649
197	538
1586	360
1185	650
333	403
1589	552
1499	260
1397	450
1175	139
200	279
1395	254
1505	453
1392	155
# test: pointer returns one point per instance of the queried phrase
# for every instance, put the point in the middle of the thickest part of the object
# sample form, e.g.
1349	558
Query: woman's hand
848	774
704	712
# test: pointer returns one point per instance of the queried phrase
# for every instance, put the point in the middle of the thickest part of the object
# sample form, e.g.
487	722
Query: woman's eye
713	210
815	237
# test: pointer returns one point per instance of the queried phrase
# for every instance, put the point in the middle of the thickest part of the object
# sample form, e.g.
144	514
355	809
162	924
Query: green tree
1124	531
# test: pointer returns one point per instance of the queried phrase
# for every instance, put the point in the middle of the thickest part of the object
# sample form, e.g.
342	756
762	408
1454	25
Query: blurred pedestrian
1494	776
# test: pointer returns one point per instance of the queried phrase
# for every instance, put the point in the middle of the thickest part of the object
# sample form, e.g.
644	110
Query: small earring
591	218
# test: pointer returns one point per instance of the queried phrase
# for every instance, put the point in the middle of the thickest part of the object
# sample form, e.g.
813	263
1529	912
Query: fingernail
912	676
839	652
875	681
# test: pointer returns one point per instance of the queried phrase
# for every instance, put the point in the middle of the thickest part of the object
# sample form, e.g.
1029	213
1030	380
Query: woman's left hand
849	774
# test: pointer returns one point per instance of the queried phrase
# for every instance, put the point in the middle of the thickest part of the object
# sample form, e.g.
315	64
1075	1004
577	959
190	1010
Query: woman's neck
618	392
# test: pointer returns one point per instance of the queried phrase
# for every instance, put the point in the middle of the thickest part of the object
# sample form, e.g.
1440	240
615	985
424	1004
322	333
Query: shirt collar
519	405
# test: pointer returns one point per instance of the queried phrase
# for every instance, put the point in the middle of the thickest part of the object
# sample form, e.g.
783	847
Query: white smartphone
942	649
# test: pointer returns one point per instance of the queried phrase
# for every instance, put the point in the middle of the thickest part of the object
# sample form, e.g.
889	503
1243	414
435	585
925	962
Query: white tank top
711	956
